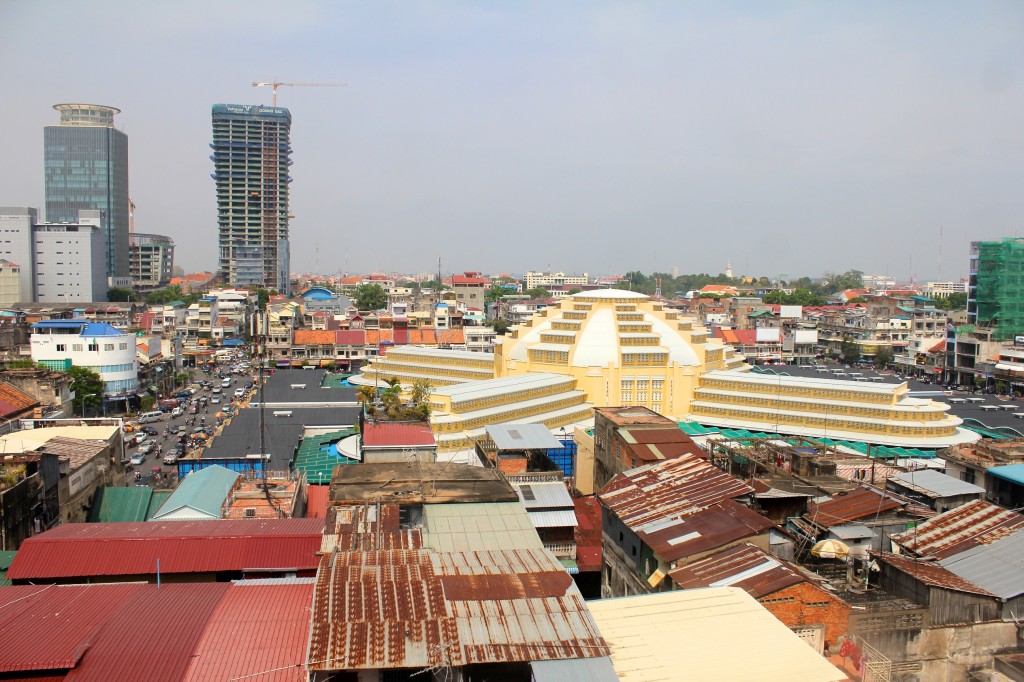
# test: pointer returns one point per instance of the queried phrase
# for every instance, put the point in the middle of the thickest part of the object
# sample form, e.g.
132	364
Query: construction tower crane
275	85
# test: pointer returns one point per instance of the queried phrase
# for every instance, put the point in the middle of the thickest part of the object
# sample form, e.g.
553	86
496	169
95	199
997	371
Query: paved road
165	443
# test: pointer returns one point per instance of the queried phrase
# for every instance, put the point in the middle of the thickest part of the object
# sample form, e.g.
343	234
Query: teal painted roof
317	456
121	504
878	451
200	495
1014	473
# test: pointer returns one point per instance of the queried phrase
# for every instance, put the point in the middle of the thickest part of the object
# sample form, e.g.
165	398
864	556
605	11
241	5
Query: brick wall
805	604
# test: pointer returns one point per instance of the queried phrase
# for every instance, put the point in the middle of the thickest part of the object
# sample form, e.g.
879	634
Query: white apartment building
549	279
70	260
111	353
944	289
16	243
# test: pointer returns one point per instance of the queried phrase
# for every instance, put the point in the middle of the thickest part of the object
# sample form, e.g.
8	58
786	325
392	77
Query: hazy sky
788	137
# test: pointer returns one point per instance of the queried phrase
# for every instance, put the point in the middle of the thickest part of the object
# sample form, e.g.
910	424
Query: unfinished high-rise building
995	296
251	157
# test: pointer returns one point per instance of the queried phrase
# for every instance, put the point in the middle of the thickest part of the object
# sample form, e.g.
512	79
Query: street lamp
84	396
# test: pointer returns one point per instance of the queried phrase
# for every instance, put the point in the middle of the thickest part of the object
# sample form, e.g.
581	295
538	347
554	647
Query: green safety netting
1000	289
879	451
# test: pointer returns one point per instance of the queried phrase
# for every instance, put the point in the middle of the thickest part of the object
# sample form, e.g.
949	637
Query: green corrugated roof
5	562
879	451
317	456
156	501
120	504
200	494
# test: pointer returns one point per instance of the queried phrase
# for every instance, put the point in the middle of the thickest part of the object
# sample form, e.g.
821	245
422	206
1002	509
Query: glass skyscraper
86	168
251	156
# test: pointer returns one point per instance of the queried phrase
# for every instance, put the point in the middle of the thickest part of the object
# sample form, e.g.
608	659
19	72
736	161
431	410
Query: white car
225	383
177	412
215	400
145	448
239	392
137	459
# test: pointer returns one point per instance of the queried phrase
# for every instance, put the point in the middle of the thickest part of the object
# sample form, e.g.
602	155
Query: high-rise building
251	156
86	167
70	263
16	224
152	260
995	294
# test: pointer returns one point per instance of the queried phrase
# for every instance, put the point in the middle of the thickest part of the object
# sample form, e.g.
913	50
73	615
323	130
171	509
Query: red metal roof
350	337
970	525
851	505
587	533
152	636
259	631
394	435
318	498
79	550
13	402
744	566
50	627
668	490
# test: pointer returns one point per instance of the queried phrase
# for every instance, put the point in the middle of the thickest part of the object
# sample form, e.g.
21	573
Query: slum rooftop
408	483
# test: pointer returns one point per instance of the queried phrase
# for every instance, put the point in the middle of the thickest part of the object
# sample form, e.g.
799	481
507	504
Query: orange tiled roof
199	276
451	336
13	402
314	337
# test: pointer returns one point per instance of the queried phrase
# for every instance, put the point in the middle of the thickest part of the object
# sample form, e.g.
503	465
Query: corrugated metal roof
547	495
851	505
200	495
562	518
260	629
851	531
318	498
997	567
156	501
522	437
1010	472
930	573
975	523
742	566
712	527
392	434
575	670
668	490
129	503
135	645
49	627
935	484
5	562
396	609
79	550
479	526
692	633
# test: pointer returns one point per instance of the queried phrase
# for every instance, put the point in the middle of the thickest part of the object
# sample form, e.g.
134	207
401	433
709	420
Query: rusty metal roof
973	524
859	503
715	526
930	573
744	566
384	604
648	495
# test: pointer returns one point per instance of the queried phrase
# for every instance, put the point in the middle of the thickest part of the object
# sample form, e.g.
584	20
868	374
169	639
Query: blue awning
233	342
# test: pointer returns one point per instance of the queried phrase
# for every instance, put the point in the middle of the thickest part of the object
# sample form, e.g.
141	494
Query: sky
791	138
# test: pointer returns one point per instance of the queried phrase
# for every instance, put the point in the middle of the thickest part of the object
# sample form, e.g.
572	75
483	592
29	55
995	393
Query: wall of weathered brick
804	604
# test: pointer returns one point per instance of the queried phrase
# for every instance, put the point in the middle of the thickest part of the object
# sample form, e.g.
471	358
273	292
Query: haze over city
600	137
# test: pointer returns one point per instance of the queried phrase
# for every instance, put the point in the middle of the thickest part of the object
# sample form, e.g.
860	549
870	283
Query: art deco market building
611	348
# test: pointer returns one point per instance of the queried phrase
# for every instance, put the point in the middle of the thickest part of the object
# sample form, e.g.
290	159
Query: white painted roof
608	293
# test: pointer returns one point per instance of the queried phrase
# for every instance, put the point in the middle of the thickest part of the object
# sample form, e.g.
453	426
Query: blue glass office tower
251	156
86	167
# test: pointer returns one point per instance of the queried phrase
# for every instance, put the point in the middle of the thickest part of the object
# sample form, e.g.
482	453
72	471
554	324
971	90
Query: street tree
120	294
883	357
88	388
849	352
370	297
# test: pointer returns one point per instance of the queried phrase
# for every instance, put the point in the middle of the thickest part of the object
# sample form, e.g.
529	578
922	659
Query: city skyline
604	138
